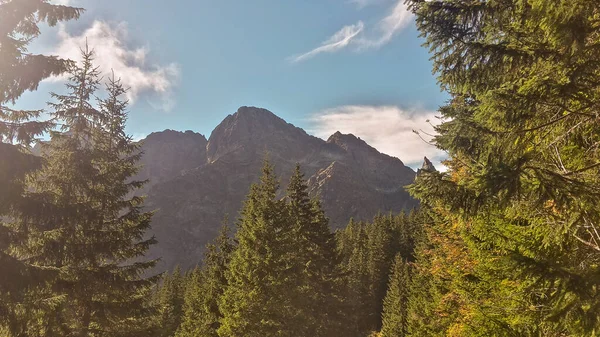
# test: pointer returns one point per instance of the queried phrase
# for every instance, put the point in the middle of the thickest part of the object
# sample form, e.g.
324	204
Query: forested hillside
505	241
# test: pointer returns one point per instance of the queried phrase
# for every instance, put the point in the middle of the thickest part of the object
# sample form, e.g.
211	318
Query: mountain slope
196	183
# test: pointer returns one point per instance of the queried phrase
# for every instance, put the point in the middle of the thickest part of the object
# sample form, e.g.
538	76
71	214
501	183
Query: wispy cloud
338	41
387	128
114	52
358	38
389	26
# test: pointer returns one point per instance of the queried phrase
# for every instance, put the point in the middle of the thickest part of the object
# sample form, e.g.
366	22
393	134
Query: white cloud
113	52
338	41
389	129
362	39
388	27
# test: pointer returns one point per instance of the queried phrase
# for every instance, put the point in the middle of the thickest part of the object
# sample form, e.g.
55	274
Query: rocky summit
195	183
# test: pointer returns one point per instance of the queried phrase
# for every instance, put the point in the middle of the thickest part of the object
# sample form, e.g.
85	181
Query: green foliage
284	275
169	301
394	318
255	302
516	244
317	270
20	71
368	251
205	287
81	222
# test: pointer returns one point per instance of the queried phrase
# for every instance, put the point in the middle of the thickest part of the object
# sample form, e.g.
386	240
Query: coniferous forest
505	242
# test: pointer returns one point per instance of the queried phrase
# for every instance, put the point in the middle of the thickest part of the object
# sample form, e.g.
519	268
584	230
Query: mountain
195	183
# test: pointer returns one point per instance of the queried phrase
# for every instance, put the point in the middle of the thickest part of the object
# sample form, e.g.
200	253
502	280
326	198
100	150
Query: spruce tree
21	71
193	305
202	315
382	246
319	304
368	251
358	287
169	302
86	227
260	281
521	191
396	300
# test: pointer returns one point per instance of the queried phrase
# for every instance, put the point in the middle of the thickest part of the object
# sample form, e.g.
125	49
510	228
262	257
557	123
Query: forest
505	242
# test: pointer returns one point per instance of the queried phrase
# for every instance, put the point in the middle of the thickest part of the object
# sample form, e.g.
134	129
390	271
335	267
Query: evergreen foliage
394	318
21	71
368	251
257	299
284	276
82	225
318	271
517	228
205	287
169	301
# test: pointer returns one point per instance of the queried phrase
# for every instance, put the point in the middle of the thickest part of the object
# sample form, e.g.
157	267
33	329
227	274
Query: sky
355	66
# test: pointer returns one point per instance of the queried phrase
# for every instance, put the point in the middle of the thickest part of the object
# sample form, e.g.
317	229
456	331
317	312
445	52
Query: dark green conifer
83	225
318	274
520	197
202	315
257	300
21	71
396	300
170	302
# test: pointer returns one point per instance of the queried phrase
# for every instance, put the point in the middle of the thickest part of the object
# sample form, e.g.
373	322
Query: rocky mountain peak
252	128
176	136
194	183
350	142
427	166
170	153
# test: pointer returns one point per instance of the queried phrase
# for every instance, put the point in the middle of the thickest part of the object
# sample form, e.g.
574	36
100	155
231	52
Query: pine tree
520	197
396	300
382	246
257	299
95	230
357	287
368	251
19	72
202	315
320	301
193	305
169	303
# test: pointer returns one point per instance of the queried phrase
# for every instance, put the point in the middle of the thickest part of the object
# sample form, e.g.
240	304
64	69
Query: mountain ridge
196	181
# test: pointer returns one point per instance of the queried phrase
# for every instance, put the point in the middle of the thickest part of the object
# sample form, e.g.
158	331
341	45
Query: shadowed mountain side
194	188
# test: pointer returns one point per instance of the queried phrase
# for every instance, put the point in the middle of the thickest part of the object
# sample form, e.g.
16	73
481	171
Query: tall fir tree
368	251
21	71
257	299
202	315
357	280
520	195
86	228
320	302
169	302
395	304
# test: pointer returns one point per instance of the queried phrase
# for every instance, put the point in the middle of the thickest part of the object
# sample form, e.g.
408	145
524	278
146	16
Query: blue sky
357	66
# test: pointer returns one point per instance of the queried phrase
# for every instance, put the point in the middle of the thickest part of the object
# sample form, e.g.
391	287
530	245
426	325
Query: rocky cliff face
196	183
169	154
